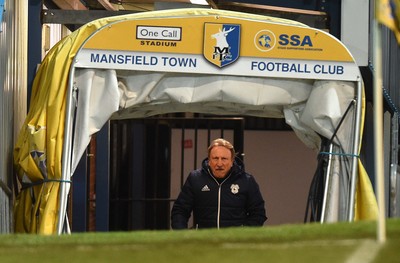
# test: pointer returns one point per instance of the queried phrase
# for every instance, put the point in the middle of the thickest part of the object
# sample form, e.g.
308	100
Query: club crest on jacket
234	188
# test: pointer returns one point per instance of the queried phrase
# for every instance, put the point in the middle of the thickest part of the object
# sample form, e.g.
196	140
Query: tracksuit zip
219	194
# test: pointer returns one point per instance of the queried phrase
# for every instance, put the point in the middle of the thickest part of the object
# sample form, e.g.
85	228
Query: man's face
220	161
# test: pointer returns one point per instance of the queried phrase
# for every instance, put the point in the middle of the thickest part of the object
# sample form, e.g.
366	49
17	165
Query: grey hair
224	143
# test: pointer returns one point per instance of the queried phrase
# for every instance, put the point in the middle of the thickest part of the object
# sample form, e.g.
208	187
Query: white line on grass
346	242
365	253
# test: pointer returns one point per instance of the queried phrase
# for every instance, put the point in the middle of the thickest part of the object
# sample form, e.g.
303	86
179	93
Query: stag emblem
222	47
221	43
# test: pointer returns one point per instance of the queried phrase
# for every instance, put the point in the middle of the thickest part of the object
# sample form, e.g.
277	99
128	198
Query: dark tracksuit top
234	201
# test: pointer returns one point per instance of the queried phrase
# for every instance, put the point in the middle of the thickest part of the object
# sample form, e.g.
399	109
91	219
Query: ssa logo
221	43
264	40
295	40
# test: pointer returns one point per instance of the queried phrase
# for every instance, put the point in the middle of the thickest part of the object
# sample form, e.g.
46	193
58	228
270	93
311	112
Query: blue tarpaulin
1	13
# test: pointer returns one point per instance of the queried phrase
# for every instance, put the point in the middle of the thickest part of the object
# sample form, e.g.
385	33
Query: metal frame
356	150
355	158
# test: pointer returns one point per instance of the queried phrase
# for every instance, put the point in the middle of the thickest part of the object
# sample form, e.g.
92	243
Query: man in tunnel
220	193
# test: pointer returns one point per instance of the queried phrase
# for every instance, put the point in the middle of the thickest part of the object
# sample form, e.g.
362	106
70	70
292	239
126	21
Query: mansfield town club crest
221	43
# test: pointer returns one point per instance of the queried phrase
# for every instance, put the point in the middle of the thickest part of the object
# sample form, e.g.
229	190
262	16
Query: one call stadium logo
264	40
159	36
221	43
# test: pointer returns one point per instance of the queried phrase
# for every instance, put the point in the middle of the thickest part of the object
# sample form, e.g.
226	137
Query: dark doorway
139	177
